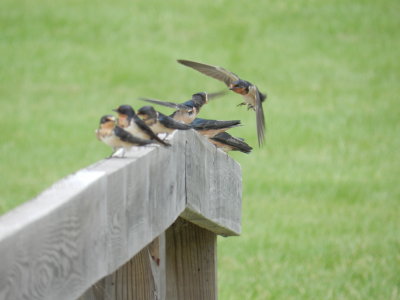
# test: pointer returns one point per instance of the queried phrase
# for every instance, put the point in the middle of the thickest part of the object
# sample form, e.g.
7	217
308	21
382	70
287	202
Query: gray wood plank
92	222
141	278
215	204
191	262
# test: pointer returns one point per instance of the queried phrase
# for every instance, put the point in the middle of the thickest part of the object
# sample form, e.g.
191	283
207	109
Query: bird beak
231	87
116	110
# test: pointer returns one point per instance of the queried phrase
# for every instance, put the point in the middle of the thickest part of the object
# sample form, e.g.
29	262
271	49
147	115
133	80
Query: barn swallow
226	142
116	137
187	111
159	122
129	120
210	128
251	94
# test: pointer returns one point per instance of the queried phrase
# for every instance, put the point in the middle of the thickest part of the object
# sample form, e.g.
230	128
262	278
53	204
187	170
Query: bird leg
115	151
249	106
112	153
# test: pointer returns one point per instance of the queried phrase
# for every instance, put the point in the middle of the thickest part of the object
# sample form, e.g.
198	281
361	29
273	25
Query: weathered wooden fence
142	227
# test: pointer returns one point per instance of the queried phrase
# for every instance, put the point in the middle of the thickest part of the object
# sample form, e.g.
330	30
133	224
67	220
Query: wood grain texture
191	262
134	280
213	188
141	278
89	224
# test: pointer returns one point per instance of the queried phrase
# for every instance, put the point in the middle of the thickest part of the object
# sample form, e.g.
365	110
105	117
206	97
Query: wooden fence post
141	278
191	262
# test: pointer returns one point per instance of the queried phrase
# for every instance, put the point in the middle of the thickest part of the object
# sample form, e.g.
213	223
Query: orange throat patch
123	121
241	91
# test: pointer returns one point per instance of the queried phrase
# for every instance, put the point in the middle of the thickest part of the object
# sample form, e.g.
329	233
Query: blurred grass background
321	213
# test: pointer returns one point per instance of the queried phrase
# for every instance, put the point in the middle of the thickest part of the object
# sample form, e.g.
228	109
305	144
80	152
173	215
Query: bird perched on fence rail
251	94
130	121
159	122
187	111
116	137
227	143
209	128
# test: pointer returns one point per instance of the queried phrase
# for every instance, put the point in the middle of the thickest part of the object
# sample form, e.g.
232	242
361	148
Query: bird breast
250	97
135	130
115	142
184	117
110	140
159	128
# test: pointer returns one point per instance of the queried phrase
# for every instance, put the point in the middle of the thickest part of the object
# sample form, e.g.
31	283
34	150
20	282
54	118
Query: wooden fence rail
142	227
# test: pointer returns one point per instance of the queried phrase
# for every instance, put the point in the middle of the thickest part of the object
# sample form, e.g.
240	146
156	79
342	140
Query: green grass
321	212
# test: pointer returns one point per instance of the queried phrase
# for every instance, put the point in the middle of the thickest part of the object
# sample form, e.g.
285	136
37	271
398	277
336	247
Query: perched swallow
129	120
252	96
116	137
187	111
159	122
210	128
227	143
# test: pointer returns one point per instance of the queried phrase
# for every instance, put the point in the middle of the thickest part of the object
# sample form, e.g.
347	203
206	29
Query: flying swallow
116	137
252	96
159	122
210	128
226	142
187	111
129	120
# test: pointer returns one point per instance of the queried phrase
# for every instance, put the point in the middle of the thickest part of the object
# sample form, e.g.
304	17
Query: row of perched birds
144	126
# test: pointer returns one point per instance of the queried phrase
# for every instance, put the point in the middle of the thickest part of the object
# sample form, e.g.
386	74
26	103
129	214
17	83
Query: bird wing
203	124
213	71
129	138
236	143
168	104
142	125
172	124
216	94
159	102
260	120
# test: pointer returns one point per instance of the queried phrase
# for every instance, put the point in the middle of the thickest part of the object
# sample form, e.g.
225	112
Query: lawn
321	211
